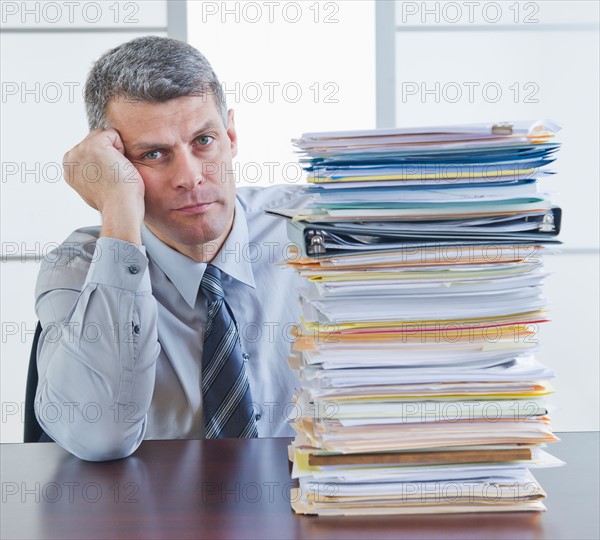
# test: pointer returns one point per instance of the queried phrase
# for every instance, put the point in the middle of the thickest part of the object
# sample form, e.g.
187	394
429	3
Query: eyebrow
144	146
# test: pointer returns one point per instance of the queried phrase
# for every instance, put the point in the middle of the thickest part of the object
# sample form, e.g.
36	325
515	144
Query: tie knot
211	281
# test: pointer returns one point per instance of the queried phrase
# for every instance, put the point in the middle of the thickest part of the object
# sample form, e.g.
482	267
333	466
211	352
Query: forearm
121	220
97	359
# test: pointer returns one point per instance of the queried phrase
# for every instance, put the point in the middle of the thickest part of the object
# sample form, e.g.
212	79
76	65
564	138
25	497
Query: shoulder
256	200
264	227
67	264
80	245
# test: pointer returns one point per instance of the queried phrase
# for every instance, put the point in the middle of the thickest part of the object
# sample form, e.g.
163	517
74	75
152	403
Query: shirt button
258	417
136	329
134	268
246	356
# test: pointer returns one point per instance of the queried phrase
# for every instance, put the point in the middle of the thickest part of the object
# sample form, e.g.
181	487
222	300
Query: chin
191	232
196	238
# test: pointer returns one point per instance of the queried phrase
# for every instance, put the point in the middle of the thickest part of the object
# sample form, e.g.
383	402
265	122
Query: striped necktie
227	401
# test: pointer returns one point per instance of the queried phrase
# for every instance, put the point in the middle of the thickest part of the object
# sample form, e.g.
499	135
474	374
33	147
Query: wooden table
240	489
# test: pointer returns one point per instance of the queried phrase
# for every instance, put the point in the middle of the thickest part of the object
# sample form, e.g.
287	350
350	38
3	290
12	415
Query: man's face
184	154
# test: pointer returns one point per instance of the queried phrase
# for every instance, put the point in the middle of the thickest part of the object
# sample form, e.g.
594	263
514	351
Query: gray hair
149	69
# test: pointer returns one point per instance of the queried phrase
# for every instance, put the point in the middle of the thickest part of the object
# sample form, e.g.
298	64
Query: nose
188	170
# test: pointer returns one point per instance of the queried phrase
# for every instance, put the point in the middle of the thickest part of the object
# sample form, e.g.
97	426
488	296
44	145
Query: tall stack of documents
421	253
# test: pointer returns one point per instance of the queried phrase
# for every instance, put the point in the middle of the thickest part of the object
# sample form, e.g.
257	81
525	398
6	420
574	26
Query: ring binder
324	239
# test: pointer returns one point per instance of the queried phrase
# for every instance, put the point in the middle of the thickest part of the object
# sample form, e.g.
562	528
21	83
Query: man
171	320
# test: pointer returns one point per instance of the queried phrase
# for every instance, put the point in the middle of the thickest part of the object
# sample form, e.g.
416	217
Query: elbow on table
97	444
105	449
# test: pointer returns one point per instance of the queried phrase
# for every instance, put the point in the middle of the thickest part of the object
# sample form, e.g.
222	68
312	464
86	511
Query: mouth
197	208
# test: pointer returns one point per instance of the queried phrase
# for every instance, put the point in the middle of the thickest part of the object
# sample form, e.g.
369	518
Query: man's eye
205	140
154	155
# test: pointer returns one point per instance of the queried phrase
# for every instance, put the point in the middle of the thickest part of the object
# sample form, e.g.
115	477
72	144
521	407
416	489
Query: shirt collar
186	274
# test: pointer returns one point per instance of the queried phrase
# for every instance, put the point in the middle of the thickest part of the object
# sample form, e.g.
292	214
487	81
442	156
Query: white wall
293	68
501	61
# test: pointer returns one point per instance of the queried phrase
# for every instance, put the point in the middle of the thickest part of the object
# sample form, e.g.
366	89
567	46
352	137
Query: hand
106	180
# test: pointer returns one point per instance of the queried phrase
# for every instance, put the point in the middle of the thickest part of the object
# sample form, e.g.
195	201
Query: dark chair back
33	432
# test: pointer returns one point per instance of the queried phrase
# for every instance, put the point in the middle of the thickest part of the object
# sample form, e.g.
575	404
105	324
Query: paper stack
422	297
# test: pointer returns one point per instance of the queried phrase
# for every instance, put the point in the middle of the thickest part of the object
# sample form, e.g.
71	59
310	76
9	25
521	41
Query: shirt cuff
120	264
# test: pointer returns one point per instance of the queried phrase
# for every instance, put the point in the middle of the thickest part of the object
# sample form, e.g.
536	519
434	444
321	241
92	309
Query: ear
231	133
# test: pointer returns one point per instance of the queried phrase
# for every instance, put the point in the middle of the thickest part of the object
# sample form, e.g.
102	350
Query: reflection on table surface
241	489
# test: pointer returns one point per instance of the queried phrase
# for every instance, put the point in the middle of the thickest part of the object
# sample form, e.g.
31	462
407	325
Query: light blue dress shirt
120	356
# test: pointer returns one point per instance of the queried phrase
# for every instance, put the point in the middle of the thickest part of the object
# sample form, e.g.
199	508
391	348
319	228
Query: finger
114	138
